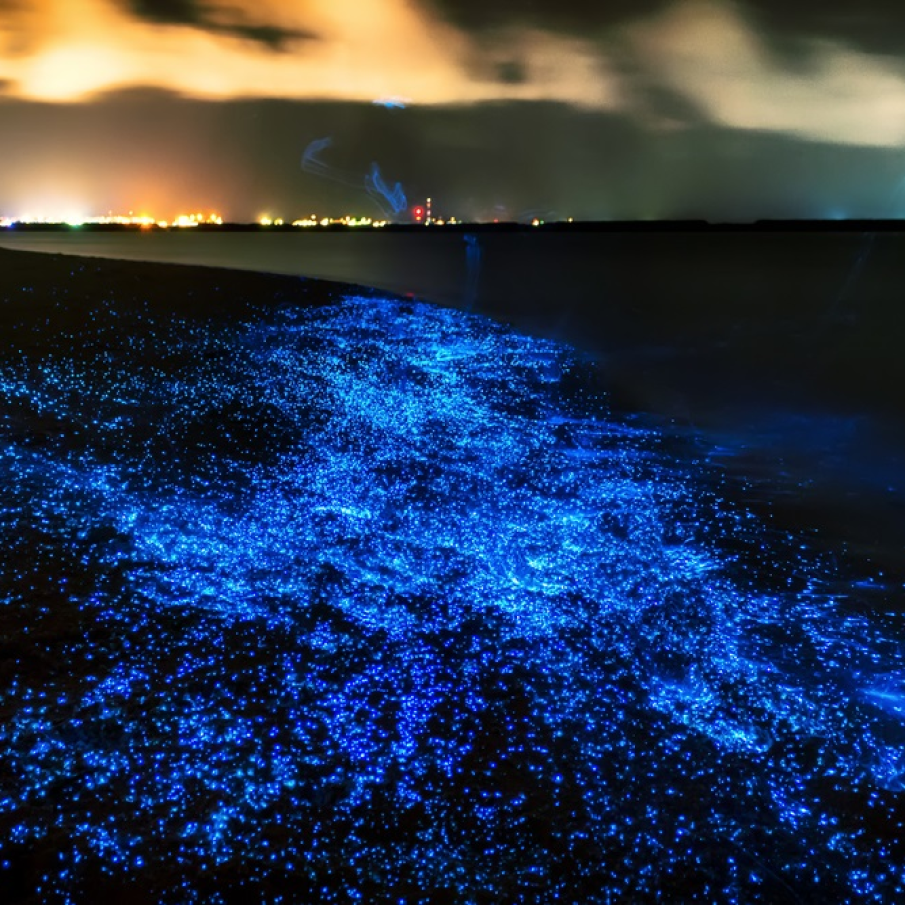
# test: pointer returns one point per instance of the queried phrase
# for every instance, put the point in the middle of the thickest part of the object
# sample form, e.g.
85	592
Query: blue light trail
390	200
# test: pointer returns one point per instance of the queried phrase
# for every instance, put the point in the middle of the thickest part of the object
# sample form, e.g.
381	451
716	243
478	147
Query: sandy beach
314	593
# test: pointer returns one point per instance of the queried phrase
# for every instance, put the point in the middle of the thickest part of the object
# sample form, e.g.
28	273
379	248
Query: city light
423	213
200	219
420	214
142	221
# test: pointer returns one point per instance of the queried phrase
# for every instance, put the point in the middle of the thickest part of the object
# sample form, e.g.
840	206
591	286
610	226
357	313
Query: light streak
391	201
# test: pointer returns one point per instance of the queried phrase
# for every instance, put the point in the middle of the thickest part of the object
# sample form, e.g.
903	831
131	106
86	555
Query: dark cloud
177	12
660	104
873	26
511	72
578	16
651	100
271	36
210	18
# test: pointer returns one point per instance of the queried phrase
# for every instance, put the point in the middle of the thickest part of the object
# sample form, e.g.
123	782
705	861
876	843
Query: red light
418	212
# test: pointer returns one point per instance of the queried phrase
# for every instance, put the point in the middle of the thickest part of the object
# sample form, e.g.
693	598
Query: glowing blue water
377	602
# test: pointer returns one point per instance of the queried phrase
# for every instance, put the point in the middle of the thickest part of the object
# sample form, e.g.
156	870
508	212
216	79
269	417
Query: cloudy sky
496	108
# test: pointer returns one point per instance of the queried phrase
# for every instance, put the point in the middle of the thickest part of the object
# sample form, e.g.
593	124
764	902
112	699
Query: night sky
508	109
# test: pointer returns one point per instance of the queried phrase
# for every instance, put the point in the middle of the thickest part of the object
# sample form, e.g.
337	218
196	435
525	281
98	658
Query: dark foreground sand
68	290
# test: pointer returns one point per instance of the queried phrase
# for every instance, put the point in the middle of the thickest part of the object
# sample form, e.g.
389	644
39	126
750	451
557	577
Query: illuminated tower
427	218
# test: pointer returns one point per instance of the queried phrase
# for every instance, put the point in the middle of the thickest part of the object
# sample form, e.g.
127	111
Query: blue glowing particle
335	602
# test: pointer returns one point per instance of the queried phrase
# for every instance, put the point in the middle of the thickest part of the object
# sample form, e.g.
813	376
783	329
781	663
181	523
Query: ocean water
780	351
371	599
707	321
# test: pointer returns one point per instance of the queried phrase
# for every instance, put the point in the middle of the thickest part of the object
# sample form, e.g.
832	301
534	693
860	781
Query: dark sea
513	567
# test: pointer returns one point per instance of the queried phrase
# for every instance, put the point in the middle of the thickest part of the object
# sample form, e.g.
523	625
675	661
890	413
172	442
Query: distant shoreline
582	226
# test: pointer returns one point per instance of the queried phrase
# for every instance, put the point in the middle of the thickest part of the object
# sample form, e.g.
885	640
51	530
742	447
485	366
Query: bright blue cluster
378	602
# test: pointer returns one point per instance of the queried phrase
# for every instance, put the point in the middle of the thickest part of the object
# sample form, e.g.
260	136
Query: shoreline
844	466
34	271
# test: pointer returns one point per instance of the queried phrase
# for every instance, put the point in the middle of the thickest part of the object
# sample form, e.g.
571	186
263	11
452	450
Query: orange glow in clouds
709	52
68	50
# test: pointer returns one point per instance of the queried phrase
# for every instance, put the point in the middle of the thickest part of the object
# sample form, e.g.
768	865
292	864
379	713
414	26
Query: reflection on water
382	601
